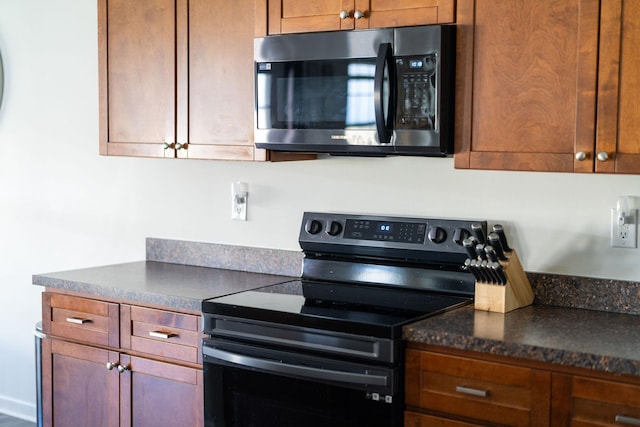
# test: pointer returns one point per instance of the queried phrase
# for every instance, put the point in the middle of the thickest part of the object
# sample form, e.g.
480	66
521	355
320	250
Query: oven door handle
296	370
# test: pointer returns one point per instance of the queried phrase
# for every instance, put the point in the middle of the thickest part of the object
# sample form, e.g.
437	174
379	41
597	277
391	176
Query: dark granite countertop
575	321
595	340
157	283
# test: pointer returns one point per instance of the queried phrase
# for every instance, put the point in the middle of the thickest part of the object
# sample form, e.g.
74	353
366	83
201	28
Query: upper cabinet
293	16
176	78
526	84
618	131
548	85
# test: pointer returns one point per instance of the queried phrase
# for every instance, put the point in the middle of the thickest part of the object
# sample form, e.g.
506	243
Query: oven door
248	386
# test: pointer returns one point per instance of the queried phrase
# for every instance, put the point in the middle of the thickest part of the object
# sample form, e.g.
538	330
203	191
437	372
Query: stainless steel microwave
366	92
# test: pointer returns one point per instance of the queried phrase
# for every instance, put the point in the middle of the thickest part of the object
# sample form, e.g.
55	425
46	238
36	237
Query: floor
7	421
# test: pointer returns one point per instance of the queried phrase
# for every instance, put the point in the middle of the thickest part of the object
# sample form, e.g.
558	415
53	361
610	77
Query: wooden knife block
504	298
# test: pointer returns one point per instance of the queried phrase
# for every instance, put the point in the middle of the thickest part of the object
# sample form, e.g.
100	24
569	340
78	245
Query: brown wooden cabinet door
176	78
221	79
618	132
583	401
137	76
294	16
157	394
402	13
78	390
526	84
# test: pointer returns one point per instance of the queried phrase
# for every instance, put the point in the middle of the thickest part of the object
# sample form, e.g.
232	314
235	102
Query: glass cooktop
373	310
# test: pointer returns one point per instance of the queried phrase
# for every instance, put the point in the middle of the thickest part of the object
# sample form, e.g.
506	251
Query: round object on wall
1	79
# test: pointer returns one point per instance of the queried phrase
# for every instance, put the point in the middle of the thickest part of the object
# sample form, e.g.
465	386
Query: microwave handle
384	60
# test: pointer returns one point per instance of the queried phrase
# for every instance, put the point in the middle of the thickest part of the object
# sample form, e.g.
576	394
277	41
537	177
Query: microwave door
384	111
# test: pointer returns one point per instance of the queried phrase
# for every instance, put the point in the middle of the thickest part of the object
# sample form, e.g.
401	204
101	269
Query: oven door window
242	398
327	94
247	390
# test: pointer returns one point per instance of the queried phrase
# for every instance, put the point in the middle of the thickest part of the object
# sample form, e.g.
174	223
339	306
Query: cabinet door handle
344	14
162	335
623	419
603	156
358	14
123	368
78	320
472	391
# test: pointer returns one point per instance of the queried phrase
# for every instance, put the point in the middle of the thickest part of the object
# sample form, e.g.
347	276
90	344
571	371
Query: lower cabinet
472	391
457	391
584	401
88	383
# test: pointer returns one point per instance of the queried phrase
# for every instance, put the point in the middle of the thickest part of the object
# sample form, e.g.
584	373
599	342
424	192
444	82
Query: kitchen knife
484	275
488	271
499	230
477	230
469	245
480	251
491	253
499	271
471	269
494	242
476	271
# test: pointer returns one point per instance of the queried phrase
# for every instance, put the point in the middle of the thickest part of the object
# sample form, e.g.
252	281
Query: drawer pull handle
78	320
472	391
162	335
622	419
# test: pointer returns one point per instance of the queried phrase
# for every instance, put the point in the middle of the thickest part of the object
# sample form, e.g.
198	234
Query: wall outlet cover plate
624	235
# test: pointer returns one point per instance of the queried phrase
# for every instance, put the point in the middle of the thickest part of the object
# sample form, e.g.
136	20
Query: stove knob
459	234
334	228
313	226
437	234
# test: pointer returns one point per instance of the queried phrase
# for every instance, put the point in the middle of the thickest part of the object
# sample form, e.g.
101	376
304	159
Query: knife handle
494	242
480	251
480	274
499	230
469	245
491	253
499	272
469	265
477	230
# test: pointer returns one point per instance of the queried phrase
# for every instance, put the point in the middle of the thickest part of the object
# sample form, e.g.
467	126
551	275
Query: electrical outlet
624	228
239	201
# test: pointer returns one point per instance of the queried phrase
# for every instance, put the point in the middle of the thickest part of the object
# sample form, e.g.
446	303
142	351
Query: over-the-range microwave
366	92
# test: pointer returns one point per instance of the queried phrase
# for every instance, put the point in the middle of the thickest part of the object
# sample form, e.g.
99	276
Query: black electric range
339	327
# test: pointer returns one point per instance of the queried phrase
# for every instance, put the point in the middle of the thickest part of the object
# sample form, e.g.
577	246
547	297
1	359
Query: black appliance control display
405	232
416	108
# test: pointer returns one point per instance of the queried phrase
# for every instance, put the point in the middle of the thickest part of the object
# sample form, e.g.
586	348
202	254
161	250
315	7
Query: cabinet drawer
80	319
161	333
475	389
414	419
604	403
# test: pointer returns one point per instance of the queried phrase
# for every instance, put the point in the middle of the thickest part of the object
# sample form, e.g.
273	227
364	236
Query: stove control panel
388	231
376	234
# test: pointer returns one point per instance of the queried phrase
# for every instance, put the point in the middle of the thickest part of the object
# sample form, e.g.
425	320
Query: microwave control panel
416	107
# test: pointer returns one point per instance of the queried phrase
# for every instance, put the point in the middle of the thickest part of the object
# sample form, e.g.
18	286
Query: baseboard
18	408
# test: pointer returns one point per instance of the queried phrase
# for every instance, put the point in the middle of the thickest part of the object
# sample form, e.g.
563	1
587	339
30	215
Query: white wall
62	206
